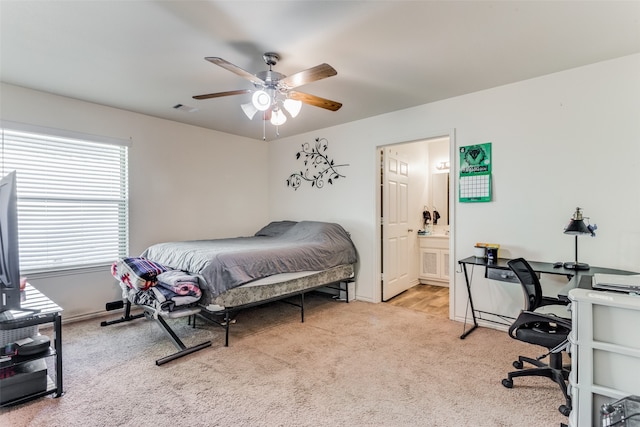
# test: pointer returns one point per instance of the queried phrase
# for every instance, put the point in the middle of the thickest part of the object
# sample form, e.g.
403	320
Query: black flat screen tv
9	253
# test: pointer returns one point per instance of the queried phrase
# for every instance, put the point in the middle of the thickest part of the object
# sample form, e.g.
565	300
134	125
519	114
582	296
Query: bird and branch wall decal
319	167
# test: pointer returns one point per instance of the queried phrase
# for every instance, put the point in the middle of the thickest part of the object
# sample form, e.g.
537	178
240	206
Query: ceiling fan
275	90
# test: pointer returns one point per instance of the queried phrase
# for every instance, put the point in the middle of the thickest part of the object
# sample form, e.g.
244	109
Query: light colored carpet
355	364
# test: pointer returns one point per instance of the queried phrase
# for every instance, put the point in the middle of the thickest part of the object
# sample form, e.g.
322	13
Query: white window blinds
72	198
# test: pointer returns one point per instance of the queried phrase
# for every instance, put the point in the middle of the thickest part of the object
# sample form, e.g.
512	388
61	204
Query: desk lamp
577	227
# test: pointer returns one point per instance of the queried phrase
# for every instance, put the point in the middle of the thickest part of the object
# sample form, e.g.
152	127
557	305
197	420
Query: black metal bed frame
227	312
153	314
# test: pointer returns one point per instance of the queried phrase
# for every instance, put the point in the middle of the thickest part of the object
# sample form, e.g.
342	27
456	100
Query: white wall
185	183
560	141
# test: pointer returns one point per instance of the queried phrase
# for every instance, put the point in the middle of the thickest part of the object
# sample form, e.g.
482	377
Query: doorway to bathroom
414	212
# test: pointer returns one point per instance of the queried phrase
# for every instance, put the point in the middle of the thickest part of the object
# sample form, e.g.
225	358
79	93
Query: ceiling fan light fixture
293	106
261	100
249	110
278	118
271	90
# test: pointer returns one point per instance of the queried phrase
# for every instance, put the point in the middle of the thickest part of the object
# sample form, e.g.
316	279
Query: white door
395	224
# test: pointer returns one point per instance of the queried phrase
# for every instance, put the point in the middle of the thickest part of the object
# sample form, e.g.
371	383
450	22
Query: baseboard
434	282
97	315
482	323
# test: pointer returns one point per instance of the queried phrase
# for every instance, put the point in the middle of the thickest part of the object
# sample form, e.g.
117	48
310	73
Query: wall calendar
475	173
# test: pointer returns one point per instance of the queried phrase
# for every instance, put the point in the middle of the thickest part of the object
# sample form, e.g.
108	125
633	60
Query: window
72	197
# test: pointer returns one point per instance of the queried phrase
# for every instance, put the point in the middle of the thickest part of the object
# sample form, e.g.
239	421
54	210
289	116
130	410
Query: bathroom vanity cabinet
434	259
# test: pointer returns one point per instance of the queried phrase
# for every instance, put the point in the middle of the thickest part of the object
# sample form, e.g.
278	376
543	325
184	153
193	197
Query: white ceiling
147	56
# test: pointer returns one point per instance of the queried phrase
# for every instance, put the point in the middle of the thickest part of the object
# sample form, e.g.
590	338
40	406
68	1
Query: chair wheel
507	383
564	410
518	364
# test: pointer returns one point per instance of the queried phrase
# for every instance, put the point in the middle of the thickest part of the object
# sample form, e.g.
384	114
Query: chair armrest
552	301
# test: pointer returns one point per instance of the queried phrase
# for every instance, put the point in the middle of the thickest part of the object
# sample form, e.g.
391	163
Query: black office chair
541	327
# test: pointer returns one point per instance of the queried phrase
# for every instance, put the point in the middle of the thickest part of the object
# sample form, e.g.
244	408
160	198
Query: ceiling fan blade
313	74
235	69
219	94
316	101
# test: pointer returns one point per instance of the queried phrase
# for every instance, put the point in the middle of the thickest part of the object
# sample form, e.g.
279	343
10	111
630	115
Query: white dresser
605	352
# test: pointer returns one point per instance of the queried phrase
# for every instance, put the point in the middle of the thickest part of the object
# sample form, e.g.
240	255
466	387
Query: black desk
576	278
43	311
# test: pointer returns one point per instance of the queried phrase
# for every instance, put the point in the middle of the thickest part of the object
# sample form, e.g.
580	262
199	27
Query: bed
282	259
279	247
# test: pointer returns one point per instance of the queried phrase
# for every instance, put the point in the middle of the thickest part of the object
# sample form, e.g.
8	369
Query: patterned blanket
144	282
137	273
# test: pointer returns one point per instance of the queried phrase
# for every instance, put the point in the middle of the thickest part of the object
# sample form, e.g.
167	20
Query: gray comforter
280	247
